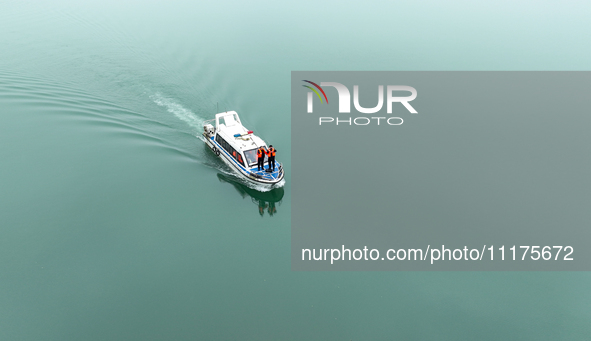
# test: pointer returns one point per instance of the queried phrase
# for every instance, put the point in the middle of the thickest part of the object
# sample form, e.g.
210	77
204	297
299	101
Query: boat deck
268	176
264	174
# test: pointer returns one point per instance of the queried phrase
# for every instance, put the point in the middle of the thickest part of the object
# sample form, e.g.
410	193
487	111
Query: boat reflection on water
266	201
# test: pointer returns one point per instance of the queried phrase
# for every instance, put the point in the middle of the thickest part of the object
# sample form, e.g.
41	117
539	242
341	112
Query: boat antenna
216	107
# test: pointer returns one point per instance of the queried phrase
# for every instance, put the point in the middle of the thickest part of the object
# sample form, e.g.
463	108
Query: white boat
237	147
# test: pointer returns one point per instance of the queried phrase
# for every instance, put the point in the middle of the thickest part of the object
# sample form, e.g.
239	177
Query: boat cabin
241	144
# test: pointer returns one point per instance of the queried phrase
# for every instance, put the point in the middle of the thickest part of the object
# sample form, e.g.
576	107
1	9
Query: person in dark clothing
271	155
261	158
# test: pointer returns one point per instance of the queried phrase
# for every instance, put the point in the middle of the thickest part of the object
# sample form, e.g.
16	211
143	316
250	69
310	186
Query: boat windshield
251	157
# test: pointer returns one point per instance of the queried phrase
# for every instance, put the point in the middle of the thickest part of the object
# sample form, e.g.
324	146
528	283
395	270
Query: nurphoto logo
345	102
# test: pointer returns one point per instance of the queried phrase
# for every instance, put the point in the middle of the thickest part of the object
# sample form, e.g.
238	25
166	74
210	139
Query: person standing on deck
261	158
271	155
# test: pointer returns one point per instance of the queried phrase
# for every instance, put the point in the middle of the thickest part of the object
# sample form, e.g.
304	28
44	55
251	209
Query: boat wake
184	114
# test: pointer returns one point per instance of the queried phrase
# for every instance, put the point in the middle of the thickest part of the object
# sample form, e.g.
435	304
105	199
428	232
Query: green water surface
118	224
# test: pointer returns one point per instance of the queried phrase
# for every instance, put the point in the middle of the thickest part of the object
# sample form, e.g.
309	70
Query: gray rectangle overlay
490	160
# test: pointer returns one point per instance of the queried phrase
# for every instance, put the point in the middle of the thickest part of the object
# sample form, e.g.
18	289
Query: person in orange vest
261	158
271	155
